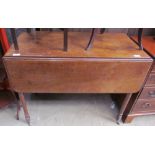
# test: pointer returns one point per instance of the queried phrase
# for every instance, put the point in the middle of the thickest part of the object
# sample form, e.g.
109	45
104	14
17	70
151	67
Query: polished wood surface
114	65
153	68
50	44
148	93
144	106
151	80
78	75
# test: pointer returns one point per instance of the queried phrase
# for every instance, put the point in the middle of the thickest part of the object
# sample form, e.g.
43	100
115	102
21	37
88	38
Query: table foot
18	110
119	120
27	118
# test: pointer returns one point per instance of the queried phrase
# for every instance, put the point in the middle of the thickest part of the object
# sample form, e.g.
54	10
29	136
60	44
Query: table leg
123	107
18	103
23	103
18	110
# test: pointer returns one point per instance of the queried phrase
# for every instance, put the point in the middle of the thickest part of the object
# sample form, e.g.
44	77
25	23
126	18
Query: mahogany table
114	65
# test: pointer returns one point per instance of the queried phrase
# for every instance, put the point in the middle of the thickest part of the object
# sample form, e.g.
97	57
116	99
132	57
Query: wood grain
50	44
110	67
76	75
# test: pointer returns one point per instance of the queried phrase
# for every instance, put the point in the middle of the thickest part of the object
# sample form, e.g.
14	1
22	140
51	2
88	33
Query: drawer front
144	106
76	75
153	68
151	80
148	93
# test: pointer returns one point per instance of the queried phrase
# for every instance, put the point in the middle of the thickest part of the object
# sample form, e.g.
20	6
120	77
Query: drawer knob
146	105
152	93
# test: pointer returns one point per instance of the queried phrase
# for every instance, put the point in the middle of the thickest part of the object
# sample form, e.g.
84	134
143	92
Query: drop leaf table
114	65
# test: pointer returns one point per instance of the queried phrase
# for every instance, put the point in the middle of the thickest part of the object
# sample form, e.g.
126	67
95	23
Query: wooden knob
152	93
146	105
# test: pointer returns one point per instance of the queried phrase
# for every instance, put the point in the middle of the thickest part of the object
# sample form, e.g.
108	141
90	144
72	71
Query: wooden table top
50	44
148	44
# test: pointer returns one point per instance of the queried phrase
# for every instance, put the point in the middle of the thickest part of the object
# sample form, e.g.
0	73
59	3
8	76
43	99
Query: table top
148	44
50	44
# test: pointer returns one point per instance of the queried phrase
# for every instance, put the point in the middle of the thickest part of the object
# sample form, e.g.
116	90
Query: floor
69	109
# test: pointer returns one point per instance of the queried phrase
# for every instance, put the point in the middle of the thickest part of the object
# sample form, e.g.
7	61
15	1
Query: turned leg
23	103
16	98
93	34
123	107
18	109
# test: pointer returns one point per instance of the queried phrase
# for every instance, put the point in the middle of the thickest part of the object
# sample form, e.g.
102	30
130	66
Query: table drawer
153	68
151	80
144	106
148	93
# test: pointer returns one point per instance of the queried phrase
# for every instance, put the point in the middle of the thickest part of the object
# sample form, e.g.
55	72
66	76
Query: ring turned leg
18	110
23	103
15	95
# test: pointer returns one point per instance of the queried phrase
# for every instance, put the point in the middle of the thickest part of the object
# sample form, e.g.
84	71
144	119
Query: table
114	65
